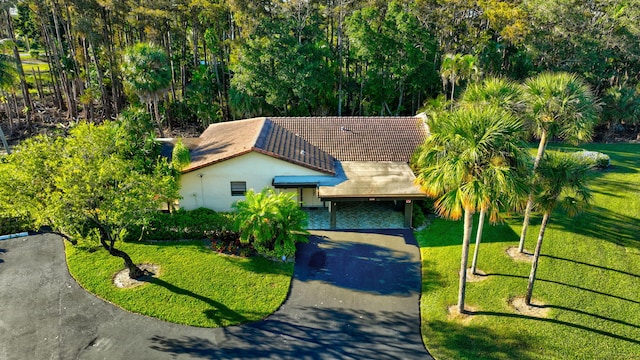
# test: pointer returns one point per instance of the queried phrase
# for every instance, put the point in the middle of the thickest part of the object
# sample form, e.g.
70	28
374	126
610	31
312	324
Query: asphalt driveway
354	295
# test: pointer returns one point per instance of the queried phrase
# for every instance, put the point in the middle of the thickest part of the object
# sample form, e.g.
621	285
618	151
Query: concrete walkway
354	296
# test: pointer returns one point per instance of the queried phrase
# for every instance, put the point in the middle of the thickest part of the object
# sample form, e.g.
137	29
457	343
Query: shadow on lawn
569	285
565	323
592	265
460	341
448	233
218	312
614	188
310	333
602	223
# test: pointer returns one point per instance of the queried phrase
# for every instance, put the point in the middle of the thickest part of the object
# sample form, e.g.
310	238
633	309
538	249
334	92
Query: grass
588	278
195	285
29	65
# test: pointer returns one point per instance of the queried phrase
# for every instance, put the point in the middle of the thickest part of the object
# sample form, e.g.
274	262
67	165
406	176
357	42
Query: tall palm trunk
474	263
468	228
536	256
453	90
156	114
527	211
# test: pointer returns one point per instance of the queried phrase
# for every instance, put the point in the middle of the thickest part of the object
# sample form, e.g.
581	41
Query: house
327	161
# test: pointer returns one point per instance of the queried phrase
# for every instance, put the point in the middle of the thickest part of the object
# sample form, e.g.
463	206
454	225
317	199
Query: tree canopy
237	59
83	185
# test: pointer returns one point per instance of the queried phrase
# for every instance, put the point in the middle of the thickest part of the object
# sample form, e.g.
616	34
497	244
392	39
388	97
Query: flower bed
228	242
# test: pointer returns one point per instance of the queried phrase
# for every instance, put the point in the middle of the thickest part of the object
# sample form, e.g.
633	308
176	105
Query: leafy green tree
82	185
562	181
201	95
272	222
557	104
284	64
394	57
146	69
467	150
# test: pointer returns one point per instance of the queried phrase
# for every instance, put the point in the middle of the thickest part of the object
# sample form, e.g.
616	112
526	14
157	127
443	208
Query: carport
369	181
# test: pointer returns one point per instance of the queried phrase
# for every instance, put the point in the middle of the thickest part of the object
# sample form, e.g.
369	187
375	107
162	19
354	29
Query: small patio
358	215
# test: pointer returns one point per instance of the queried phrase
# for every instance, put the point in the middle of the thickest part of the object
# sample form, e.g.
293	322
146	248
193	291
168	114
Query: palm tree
272	222
494	90
562	180
455	67
557	104
146	69
467	148
511	187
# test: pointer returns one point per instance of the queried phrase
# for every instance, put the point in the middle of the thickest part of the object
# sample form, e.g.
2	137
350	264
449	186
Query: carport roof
374	179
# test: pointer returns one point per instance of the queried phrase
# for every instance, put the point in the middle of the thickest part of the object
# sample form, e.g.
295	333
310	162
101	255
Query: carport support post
332	214
408	213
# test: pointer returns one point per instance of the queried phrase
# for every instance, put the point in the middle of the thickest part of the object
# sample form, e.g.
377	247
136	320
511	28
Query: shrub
273	223
14	224
594	158
228	242
421	208
182	224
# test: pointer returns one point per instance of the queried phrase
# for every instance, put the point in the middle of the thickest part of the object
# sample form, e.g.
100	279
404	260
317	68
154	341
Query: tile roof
223	141
313	142
360	138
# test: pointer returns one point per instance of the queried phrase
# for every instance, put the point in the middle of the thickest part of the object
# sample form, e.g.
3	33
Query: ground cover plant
587	279
193	286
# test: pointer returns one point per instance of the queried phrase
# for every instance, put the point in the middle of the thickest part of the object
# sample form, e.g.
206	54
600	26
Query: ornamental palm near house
325	161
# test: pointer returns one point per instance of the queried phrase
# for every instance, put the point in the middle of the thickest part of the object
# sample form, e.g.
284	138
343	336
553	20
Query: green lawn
195	286
31	65
588	277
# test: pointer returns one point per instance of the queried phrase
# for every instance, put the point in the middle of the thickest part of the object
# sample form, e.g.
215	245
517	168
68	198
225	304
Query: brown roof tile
360	138
313	142
223	141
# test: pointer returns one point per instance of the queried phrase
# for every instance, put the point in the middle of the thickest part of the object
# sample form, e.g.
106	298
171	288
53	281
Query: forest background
234	59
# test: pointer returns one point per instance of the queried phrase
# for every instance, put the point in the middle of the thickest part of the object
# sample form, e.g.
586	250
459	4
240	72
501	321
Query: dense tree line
230	59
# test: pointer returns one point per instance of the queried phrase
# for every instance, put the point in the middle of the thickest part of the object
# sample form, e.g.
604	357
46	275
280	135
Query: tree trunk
156	114
4	141
536	256
527	211
453	90
104	97
474	263
468	228
134	271
23	80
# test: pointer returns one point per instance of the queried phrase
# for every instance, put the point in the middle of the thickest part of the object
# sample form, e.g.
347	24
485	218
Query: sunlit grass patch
196	286
588	279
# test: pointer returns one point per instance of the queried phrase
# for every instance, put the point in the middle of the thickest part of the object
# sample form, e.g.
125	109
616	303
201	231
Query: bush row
184	225
12	225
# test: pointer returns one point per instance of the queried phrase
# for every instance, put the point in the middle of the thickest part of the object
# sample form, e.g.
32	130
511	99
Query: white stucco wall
210	187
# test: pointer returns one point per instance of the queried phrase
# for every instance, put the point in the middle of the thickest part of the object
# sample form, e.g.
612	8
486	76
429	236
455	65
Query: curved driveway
354	295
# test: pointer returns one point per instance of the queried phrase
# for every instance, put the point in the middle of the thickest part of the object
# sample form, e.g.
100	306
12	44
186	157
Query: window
238	188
